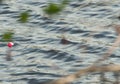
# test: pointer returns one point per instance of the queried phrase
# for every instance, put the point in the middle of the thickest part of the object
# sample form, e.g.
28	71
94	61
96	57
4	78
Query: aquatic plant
23	18
53	8
8	35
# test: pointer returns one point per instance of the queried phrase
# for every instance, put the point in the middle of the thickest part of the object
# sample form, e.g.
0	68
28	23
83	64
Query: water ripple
41	54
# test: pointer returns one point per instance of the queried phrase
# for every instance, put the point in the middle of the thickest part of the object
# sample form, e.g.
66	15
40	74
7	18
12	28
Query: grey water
38	54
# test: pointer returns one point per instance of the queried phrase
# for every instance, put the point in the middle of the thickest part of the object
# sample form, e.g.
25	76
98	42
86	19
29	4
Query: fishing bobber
10	44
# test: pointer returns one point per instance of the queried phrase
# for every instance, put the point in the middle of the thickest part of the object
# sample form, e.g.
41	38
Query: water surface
38	54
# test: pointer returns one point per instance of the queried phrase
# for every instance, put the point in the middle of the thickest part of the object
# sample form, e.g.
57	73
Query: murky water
38	54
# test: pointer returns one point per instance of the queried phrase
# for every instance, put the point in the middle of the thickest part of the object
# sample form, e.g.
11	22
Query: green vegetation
23	18
51	9
7	36
54	8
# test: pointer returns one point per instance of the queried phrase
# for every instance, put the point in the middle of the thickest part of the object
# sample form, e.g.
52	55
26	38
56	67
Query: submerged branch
70	78
109	52
94	68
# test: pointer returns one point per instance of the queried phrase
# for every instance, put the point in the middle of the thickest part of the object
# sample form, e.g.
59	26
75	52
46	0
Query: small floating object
10	44
64	41
9	51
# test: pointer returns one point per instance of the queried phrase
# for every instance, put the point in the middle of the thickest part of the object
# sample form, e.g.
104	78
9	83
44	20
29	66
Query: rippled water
38	54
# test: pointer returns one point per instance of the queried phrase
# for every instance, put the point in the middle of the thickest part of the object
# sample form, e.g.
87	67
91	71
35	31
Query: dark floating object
64	41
